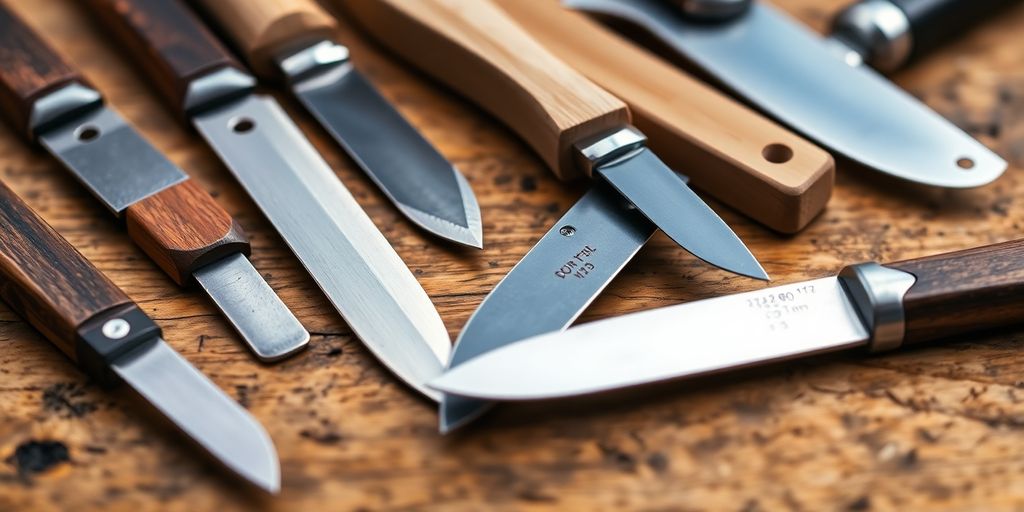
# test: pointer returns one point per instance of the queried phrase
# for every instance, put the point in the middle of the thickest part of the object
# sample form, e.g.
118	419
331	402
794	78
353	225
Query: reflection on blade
552	284
667	343
854	111
669	203
202	411
421	182
337	243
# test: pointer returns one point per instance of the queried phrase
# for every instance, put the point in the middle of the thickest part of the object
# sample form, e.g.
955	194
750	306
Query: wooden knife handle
962	291
29	70
728	150
45	280
477	49
934	22
261	29
167	41
182	228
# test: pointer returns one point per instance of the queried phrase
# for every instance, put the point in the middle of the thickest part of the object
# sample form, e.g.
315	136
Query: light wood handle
260	29
727	150
475	48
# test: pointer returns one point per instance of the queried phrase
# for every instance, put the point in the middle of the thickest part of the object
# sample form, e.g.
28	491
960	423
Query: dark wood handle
45	280
961	291
29	70
167	41
183	228
935	22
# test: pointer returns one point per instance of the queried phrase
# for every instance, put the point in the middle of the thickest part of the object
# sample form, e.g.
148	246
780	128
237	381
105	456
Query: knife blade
52	286
424	186
851	110
177	223
867	305
319	220
579	130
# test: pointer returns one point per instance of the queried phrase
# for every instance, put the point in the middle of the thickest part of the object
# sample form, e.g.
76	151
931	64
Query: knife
52	286
333	238
867	305
852	110
579	130
294	40
168	215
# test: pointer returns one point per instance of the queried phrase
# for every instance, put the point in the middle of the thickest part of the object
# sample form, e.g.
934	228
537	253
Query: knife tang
548	104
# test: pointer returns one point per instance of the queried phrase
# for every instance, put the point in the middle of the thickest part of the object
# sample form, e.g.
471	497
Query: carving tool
53	287
333	238
868	305
850	109
168	215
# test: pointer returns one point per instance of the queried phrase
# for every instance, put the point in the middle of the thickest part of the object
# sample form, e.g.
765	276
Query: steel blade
333	238
667	343
202	411
854	111
252	307
551	285
671	205
407	168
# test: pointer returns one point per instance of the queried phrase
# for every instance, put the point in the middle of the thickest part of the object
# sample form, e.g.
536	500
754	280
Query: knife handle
29	70
933	22
478	50
262	29
963	291
168	42
51	285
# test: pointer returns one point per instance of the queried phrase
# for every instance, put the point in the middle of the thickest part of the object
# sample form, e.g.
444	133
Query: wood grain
182	228
260	29
467	46
721	145
937	427
45	280
166	40
29	70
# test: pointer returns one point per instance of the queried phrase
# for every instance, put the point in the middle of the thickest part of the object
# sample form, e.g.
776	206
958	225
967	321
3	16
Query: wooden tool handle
183	228
261	29
45	280
168	42
727	150
963	291
475	48
29	70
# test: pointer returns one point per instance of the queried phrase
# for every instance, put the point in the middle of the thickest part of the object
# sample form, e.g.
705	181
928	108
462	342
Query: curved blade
667	343
551	285
669	203
793	74
202	411
407	168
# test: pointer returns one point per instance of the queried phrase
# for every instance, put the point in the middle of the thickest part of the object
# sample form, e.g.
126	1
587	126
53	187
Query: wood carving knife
168	215
333	238
52	286
868	305
294	40
579	130
780	66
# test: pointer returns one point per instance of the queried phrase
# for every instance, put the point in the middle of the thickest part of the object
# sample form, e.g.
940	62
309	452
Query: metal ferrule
877	31
312	60
622	143
217	88
61	105
877	294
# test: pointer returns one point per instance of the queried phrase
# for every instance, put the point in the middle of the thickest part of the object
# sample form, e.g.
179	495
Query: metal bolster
595	152
311	60
56	107
878	31
216	88
877	294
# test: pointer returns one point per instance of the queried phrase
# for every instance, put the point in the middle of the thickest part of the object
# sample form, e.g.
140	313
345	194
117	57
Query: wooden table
937	427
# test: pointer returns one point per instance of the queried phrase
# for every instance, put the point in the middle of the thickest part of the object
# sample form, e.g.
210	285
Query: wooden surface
937	427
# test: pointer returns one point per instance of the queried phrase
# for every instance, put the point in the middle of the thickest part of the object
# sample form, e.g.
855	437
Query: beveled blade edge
471	235
202	411
668	343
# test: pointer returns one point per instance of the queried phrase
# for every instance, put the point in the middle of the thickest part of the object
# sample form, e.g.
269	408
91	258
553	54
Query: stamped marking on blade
578	266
